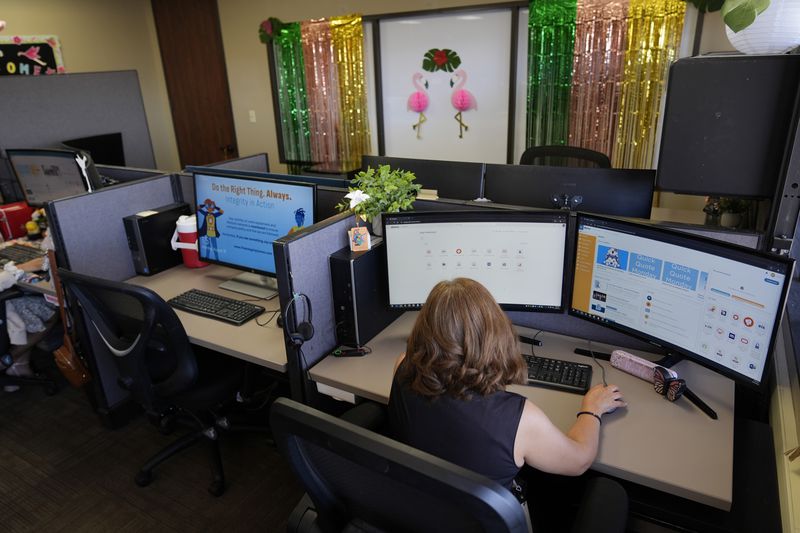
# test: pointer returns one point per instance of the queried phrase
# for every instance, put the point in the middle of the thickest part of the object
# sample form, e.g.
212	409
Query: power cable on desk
602	368
270	319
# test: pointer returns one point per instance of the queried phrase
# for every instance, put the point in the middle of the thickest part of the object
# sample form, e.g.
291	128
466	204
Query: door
190	40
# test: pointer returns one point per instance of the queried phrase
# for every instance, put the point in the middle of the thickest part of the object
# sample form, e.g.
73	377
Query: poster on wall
30	55
445	85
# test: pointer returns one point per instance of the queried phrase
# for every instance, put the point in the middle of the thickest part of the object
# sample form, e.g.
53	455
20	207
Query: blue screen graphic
238	219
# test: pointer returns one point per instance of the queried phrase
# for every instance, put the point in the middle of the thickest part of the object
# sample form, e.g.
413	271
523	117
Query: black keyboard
557	374
19	253
216	306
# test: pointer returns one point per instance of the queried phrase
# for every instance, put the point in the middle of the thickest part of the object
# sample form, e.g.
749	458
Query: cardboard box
13	218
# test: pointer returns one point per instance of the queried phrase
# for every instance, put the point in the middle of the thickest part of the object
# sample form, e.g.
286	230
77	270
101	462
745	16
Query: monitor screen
518	256
46	175
238	217
608	191
105	149
713	302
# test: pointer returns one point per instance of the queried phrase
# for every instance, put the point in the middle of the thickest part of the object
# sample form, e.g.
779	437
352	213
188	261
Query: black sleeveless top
477	433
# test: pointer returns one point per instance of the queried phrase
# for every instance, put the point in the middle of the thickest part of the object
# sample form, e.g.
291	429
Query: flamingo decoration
418	101
462	99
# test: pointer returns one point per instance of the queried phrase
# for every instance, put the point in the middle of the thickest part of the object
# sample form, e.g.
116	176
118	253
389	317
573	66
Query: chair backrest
138	330
356	476
564	156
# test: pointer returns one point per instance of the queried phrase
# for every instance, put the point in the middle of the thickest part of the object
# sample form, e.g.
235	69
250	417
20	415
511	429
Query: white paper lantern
775	31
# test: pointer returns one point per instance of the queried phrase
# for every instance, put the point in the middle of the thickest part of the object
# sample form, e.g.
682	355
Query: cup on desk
185	239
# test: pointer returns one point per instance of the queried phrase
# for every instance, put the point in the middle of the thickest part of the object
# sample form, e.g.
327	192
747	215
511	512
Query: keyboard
216	306
20	253
557	374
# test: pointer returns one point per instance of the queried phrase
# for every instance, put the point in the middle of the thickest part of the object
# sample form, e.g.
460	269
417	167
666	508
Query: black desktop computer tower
149	234
360	295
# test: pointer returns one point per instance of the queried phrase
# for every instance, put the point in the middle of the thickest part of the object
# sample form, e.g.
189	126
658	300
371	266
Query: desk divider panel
452	179
253	163
125	174
88	231
185	185
302	266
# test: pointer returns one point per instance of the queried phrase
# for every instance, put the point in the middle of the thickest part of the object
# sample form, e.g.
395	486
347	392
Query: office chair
357	480
564	156
155	362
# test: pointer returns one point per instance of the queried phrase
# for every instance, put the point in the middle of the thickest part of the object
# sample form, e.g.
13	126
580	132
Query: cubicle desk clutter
250	342
672	447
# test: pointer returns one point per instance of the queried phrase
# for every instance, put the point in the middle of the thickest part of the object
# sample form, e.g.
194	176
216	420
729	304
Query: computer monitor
46	175
239	217
715	303
105	149
609	191
519	256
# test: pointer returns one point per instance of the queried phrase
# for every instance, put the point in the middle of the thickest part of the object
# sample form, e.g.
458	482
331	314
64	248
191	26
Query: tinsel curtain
322	91
620	52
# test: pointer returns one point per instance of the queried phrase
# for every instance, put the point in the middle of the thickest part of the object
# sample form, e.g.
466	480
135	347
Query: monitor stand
253	285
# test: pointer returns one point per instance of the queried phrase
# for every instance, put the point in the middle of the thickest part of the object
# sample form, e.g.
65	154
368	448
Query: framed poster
30	55
445	85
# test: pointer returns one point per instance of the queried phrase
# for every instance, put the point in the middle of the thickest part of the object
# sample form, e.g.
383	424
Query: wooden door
190	40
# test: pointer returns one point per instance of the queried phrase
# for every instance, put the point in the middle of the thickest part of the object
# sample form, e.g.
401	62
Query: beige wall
103	35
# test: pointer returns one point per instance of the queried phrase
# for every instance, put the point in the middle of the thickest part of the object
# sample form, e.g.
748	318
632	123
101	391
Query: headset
304	329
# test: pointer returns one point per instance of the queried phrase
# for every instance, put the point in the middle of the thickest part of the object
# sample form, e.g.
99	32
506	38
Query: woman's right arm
542	445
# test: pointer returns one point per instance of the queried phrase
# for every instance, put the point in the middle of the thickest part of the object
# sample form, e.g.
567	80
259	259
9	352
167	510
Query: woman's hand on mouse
603	399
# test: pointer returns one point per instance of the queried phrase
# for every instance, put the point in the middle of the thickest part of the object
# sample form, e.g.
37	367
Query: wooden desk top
260	345
673	447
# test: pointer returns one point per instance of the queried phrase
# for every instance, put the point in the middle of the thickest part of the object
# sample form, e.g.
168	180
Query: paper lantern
775	31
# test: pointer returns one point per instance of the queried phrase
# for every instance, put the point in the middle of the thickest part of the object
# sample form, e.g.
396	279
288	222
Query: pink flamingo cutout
418	101
462	100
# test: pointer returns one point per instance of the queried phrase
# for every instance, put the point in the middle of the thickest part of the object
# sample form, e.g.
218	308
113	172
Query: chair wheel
217	488
144	478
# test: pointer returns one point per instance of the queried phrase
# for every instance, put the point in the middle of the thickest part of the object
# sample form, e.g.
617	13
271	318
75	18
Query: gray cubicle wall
88	231
253	163
125	174
43	111
301	261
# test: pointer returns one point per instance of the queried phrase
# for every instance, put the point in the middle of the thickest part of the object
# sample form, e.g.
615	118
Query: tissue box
13	218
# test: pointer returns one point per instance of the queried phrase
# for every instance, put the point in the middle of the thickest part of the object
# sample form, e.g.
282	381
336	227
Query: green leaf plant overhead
389	191
737	14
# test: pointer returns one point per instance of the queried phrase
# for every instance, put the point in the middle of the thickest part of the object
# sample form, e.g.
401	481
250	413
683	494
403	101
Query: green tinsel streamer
292	102
551	43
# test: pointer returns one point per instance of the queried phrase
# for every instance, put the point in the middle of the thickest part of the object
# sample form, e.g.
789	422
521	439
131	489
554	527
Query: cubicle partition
452	179
301	261
252	163
125	174
88	231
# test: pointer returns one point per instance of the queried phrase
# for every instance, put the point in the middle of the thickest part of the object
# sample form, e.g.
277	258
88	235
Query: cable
602	368
270	319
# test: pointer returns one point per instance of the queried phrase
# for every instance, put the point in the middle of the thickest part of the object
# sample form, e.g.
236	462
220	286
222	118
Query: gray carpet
61	470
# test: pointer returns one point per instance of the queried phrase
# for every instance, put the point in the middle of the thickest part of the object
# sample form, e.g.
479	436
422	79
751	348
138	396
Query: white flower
356	197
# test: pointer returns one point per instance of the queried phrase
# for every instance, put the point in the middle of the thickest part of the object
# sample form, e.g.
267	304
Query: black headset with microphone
299	331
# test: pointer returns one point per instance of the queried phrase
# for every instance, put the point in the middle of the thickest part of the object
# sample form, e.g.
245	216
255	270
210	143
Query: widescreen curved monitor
715	303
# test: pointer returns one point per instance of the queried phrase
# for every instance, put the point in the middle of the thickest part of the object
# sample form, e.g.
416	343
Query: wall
101	35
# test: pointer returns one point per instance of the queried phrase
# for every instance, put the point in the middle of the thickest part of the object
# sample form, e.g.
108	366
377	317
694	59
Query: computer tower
149	234
360	295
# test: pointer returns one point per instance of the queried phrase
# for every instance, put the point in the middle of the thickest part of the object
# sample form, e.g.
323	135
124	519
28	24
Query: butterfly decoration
666	385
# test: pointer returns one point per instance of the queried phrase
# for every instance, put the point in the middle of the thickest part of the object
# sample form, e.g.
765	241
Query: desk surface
672	447
260	345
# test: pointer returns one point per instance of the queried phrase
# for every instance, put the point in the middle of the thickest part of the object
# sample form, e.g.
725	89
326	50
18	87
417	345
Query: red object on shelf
13	218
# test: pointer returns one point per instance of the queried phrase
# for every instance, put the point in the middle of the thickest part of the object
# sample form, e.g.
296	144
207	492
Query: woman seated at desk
448	395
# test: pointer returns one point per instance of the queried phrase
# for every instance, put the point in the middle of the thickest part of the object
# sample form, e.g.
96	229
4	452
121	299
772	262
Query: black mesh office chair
174	383
564	156
357	480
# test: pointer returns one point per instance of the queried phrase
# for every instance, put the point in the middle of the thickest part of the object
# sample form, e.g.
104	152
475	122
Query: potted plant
381	190
732	210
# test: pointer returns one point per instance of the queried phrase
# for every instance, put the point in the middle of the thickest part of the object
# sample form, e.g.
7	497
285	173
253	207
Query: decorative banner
653	38
550	56
321	91
347	37
597	72
30	55
291	85
620	59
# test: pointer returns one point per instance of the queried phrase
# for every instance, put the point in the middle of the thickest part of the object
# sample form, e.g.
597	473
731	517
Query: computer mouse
279	321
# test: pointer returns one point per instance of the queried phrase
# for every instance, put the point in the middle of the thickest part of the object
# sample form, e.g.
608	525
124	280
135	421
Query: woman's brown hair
462	343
